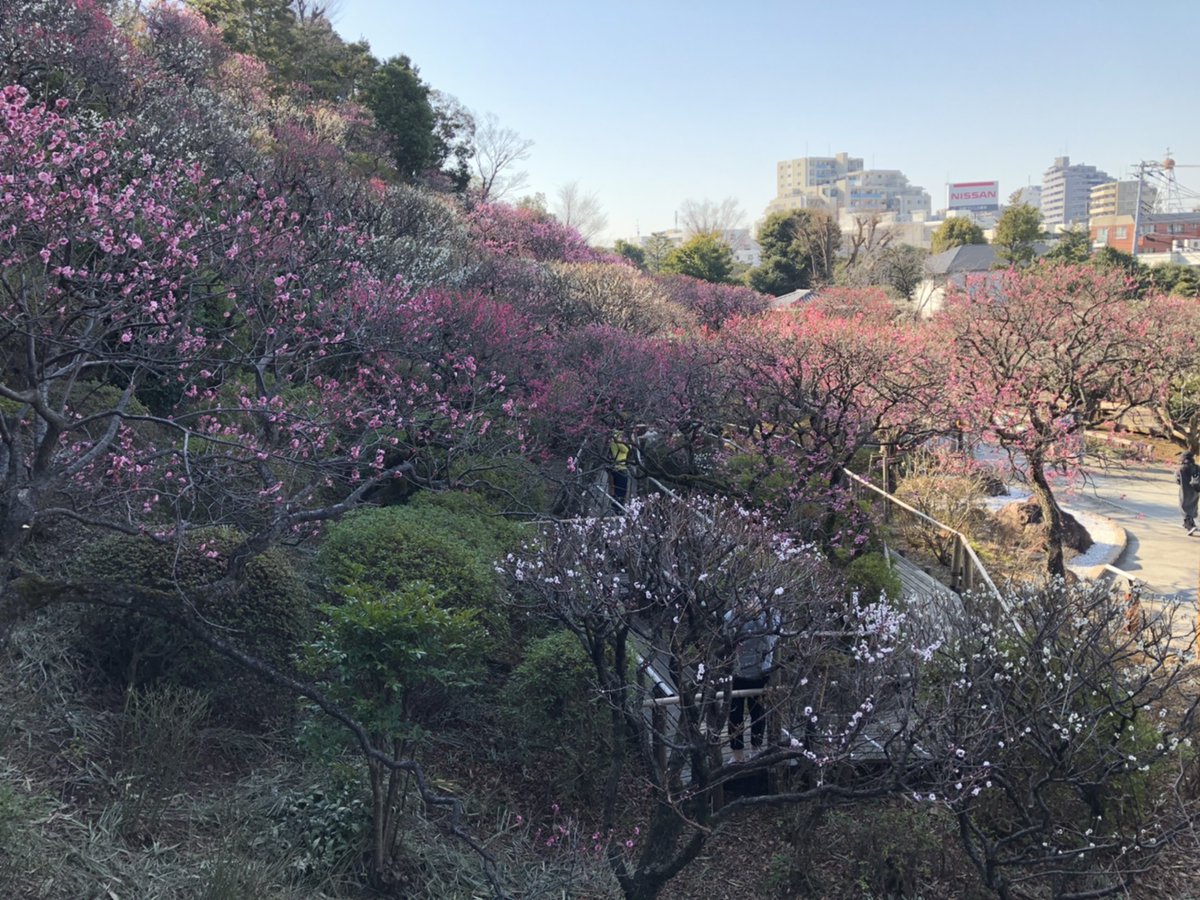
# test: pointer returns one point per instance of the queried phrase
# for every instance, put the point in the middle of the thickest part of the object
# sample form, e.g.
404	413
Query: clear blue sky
647	103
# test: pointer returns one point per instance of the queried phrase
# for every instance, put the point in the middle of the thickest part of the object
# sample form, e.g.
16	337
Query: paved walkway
1131	511
1143	499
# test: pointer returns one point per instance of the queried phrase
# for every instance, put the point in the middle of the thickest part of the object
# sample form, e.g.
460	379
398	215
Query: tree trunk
379	855
393	802
1052	516
663	857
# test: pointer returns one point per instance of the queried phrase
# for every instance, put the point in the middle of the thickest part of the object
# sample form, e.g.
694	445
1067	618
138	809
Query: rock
993	484
1022	523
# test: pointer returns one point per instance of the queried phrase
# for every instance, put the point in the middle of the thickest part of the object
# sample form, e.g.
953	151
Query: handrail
1109	567
961	538
675	699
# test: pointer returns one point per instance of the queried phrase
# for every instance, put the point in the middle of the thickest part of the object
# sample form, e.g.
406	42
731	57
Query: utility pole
1137	209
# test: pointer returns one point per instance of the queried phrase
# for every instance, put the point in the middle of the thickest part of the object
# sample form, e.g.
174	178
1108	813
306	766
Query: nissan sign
976	195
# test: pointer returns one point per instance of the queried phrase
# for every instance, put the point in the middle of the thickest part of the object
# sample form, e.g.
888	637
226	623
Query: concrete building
1030	195
1066	190
916	229
795	177
1119	198
745	248
1182	257
741	242
879	191
840	184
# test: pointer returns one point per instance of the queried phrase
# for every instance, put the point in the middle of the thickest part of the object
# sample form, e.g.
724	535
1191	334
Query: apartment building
1066	190
840	184
1119	198
795	177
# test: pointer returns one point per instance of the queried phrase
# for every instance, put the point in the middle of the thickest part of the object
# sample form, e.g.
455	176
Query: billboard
976	195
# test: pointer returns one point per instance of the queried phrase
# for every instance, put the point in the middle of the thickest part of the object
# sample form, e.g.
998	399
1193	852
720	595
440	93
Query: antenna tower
1159	192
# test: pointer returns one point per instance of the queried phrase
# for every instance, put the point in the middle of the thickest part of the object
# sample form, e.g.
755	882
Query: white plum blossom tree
658	598
1062	750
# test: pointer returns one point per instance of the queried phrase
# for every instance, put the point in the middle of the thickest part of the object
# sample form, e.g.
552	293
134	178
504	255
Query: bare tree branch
707	216
579	210
497	150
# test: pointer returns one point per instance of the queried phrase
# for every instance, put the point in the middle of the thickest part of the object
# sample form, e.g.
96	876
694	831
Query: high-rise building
1030	195
1066	190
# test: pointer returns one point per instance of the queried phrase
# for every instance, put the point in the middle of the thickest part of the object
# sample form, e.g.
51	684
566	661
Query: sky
648	104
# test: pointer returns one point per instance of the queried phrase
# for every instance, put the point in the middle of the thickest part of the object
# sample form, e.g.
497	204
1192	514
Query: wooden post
774	736
658	722
718	789
886	463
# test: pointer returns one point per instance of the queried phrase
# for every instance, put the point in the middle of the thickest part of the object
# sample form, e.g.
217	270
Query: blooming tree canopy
658	599
178	349
1036	356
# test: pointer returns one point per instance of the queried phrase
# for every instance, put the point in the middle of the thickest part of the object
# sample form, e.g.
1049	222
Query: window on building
1102	235
1122	232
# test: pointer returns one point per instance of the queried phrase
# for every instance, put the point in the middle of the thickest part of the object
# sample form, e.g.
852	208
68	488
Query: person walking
1187	476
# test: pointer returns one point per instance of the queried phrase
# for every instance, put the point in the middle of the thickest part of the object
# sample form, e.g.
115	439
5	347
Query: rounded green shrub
471	518
871	575
554	715
269	615
448	541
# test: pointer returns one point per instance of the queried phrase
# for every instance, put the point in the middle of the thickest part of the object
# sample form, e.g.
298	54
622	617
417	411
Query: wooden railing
966	570
967	574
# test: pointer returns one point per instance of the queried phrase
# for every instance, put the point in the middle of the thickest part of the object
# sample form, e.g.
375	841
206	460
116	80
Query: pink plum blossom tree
1037	356
180	351
809	387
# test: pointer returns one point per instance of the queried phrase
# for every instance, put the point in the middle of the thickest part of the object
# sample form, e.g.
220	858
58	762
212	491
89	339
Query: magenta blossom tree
714	304
601	380
809	387
178	352
527	233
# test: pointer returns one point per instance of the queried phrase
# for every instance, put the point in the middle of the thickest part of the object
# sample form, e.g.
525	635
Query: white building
745	248
741	242
798	177
1120	198
1066	190
1030	195
840	184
